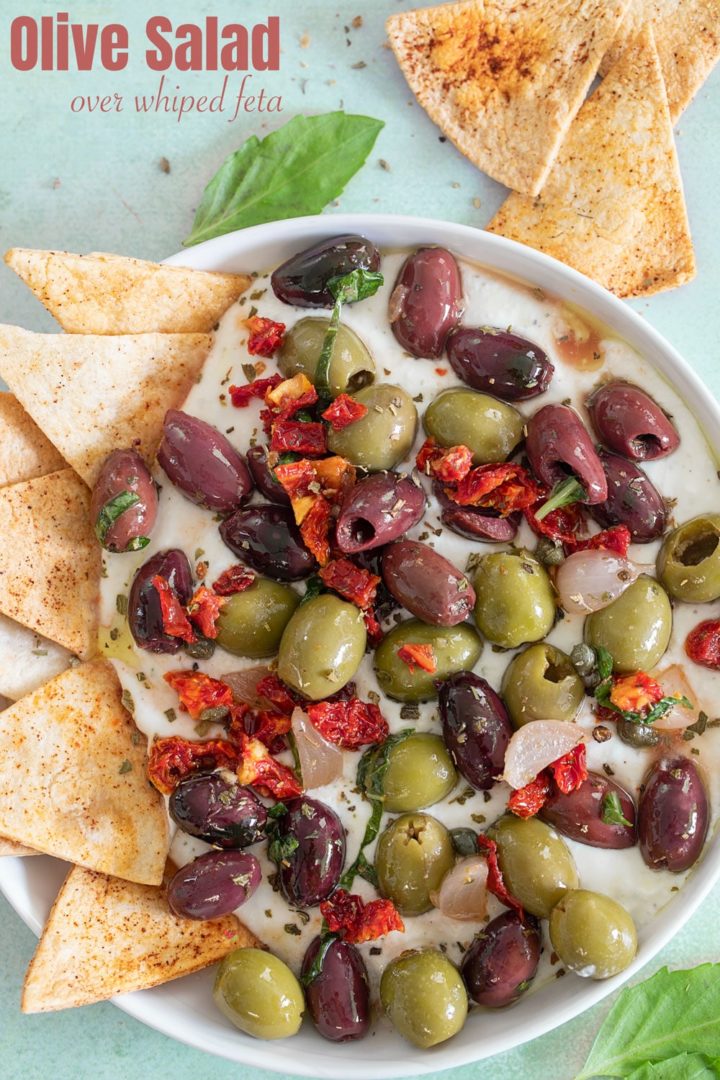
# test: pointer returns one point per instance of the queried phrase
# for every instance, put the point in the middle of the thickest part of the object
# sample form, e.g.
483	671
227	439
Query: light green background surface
93	182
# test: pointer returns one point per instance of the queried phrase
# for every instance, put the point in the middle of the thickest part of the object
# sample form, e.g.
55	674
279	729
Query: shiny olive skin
502	960
309	874
218	810
302	279
259	994
144	612
213	885
419	773
322	646
673	815
489	427
377	510
499	362
635	628
536	863
515	600
593	935
689	561
558	446
633	500
476	728
264	478
385	435
124	471
629	422
424	996
474	523
456	648
252	622
267	539
338	998
426	303
203	463
351	366
427	584
540	683
638	735
579	814
413	855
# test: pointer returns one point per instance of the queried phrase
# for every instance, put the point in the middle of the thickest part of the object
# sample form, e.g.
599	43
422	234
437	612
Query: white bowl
184	1009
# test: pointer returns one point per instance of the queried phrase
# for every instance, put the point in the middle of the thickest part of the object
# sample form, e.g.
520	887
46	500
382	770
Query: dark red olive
214	884
302	280
378	509
476	728
502	960
579	815
475	524
203	464
311	844
217	809
338	993
267	539
124	502
499	362
144	612
427	584
632	500
426	303
559	447
628	421
673	815
265	480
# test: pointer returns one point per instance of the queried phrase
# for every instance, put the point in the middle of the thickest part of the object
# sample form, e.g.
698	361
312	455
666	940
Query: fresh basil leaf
313	587
604	662
374	763
293	171
359	284
611	812
680	1067
112	510
366	870
563	494
281	847
316	967
277	811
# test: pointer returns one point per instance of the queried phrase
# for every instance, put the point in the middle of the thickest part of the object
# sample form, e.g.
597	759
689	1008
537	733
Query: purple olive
498	362
476	728
338	996
303	279
502	960
426	303
628	421
264	478
217	809
213	884
267	539
378	509
673	815
311	844
144	612
428	585
559	447
124	502
475	524
579	815
632	500
203	464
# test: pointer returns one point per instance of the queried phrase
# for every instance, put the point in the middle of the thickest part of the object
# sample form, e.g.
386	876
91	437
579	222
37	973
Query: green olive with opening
490	428
322	646
689	561
384	436
424	997
535	861
635	629
351	367
452	648
540	683
251	623
515	602
259	994
593	935
413	855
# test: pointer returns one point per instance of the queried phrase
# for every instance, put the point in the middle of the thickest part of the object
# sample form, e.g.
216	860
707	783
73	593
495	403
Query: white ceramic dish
184	1009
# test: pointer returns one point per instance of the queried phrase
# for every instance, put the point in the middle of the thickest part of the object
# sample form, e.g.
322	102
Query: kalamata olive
267	539
213	884
633	500
203	464
427	584
263	476
378	509
426	302
473	523
124	502
673	815
628	421
476	728
580	814
499	362
217	809
502	960
311	843
337	989
559	447
302	280
144	612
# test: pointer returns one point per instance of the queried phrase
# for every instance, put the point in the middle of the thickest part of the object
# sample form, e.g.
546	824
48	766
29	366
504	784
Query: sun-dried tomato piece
335	476
235	579
277	693
241	396
198	691
343	412
570	770
315	529
269	727
505	488
351	582
418	656
526	801
175	620
296	477
562	524
357	921
299	437
616	539
636	692
373	628
495	883
204	609
702	644
290	396
259	770
349	724
450	466
172	759
427	454
266	335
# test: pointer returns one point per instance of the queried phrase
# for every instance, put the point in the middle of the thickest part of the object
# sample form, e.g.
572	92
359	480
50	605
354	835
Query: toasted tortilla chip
503	80
73	777
111	294
9	847
613	205
27	660
92	394
24	451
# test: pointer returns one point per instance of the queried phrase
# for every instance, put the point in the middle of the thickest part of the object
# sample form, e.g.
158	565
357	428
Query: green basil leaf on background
681	1067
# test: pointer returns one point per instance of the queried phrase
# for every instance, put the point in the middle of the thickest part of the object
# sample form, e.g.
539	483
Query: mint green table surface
94	182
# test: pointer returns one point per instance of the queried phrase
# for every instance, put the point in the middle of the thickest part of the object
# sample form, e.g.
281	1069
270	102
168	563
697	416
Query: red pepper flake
277	693
703	643
348	914
172	759
204	609
441	371
570	771
266	336
198	691
636	692
349	724
373	628
505	488
175	621
561	525
315	530
235	579
416	655
259	770
351	582
298	437
495	883
449	466
616	539
343	412
241	396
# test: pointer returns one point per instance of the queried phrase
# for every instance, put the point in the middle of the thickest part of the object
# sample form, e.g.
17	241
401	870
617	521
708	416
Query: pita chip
27	660
24	451
503	80
111	294
9	847
92	394
613	205
73	777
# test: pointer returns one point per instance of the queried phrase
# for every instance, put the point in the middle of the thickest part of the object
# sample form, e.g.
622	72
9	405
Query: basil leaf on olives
374	764
611	812
316	967
111	511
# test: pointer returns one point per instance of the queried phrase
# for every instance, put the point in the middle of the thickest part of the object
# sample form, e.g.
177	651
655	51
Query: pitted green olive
252	623
417	772
689	561
536	863
259	994
413	856
385	435
515	601
635	629
351	367
490	428
424	996
540	683
322	646
454	648
592	934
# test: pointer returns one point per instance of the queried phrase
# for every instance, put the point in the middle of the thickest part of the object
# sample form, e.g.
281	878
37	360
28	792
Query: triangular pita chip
9	847
111	294
613	205
27	660
73	777
92	394
687	36
24	451
504	80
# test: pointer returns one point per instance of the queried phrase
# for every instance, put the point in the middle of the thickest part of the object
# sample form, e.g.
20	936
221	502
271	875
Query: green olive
541	683
424	996
635	629
251	623
322	646
413	856
536	863
351	366
592	934
689	561
455	648
418	772
259	994
385	435
515	602
490	428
